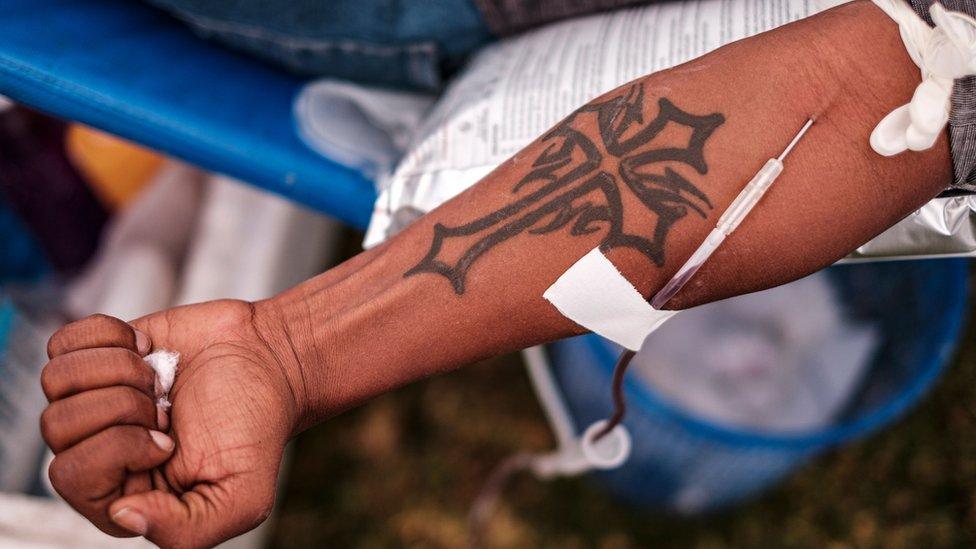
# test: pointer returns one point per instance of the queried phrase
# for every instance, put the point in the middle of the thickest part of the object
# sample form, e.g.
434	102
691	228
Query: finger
68	421
204	517
97	331
137	483
91	474
162	418
88	369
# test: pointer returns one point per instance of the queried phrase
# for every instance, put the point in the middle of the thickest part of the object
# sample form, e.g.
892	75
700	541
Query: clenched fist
196	478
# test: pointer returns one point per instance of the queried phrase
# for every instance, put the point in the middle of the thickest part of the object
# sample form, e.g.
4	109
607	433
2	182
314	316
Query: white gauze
593	294
164	364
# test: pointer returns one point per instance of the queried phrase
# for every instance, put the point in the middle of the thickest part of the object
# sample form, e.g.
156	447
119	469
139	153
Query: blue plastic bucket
685	463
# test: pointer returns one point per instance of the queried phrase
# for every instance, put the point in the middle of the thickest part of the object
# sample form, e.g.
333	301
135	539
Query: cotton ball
164	364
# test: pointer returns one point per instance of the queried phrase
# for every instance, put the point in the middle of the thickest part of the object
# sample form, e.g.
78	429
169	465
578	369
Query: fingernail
162	419
162	440
142	342
131	520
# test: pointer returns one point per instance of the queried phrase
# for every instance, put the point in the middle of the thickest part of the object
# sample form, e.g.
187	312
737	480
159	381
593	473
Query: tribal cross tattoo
580	182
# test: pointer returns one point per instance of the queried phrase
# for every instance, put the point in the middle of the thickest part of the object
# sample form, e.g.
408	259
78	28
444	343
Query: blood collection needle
747	199
730	220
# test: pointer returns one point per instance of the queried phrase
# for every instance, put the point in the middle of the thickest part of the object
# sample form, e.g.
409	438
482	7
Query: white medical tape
593	294
943	53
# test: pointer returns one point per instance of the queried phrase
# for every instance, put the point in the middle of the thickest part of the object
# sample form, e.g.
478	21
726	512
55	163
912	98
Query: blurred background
402	471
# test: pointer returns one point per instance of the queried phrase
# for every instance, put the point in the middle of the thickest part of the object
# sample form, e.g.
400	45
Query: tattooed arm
643	171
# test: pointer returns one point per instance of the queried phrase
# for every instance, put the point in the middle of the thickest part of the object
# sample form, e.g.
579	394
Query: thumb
143	342
199	518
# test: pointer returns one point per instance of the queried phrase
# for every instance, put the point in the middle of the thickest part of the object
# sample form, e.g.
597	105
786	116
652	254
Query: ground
403	470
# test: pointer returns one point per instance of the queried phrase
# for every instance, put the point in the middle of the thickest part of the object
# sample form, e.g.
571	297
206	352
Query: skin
252	375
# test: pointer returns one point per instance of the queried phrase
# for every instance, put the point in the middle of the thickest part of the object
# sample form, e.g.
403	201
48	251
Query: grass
402	471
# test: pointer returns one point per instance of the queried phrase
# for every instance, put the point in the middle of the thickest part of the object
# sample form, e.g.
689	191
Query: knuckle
60	376
49	381
48	427
62	474
55	428
54	343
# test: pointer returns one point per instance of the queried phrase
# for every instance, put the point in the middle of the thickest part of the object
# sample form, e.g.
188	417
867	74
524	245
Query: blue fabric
132	70
402	43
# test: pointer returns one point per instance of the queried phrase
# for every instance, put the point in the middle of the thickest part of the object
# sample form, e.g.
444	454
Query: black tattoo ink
567	186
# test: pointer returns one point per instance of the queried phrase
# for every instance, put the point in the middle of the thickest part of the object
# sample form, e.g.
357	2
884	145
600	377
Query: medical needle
730	220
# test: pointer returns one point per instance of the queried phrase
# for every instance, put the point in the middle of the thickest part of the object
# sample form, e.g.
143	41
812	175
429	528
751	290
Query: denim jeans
397	43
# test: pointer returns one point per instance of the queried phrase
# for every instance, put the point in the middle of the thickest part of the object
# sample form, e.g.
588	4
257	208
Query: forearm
466	281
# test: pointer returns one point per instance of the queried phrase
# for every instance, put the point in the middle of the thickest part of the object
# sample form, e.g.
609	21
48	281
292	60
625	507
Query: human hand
213	476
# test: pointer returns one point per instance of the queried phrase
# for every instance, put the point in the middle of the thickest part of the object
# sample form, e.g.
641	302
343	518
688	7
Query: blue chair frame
131	70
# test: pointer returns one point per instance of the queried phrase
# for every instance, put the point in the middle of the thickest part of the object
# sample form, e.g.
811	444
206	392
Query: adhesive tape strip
593	294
